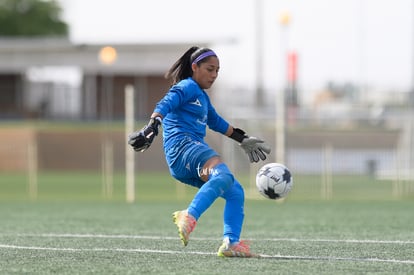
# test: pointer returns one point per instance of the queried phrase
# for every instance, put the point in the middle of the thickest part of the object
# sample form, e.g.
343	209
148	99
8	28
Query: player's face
206	73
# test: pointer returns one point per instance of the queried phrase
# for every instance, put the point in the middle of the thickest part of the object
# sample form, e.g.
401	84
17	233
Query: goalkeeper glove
254	147
142	139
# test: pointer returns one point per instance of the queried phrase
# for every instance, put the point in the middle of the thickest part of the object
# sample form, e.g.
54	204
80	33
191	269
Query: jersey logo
196	102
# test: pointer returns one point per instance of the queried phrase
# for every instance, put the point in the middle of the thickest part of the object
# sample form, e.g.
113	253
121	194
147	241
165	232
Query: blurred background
329	84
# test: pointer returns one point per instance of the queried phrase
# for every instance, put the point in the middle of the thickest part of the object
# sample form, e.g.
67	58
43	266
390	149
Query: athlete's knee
222	173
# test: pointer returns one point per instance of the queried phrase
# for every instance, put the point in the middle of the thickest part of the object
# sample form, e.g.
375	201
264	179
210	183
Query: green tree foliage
31	18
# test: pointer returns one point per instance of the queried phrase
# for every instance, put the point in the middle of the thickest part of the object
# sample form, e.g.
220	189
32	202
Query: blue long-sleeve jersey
187	109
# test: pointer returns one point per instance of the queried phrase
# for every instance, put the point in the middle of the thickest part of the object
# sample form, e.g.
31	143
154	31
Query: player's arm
142	139
254	147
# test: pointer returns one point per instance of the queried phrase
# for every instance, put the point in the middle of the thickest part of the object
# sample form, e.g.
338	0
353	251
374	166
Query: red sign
292	66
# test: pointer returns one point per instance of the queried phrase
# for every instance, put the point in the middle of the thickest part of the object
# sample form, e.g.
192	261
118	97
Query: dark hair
181	69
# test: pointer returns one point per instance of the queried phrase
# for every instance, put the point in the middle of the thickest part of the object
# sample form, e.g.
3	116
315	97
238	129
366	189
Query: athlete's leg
234	207
233	212
220	180
234	196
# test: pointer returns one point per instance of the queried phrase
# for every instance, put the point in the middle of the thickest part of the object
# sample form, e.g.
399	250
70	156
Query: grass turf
119	238
71	228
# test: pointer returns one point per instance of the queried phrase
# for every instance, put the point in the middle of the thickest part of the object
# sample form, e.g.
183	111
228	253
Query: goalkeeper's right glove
142	139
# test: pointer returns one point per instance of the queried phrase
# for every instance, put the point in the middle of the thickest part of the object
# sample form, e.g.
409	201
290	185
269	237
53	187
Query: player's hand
142	139
255	148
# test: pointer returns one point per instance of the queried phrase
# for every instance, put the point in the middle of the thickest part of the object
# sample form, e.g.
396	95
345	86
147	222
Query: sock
233	212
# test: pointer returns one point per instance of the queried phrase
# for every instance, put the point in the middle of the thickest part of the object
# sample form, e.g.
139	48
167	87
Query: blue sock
220	180
233	212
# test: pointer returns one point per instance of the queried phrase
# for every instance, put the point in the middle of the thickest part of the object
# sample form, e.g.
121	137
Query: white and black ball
274	181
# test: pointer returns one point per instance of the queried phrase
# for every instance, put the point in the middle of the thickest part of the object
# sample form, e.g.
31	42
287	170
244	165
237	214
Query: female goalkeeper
185	111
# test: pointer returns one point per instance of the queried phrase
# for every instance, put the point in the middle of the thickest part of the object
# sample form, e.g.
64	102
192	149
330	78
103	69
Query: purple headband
203	55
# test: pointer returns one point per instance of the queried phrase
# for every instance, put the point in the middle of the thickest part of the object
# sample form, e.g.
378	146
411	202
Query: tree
31	18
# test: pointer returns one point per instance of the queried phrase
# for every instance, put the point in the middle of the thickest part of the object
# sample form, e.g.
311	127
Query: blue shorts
186	157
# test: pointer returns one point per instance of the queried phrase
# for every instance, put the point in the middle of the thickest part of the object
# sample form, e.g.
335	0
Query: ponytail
181	69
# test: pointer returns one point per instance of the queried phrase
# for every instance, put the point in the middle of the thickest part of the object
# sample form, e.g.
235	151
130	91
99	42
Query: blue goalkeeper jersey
187	111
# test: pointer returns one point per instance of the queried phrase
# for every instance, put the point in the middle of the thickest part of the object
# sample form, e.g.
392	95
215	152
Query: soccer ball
274	181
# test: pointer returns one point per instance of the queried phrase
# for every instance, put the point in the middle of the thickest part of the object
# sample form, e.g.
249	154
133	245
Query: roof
18	54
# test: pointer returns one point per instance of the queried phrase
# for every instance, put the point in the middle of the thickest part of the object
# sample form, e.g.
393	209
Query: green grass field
72	228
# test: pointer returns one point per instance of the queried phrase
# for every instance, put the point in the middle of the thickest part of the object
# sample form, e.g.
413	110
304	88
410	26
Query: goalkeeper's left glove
142	139
254	147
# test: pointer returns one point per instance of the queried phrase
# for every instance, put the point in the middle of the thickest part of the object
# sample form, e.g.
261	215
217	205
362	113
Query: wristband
155	121
238	135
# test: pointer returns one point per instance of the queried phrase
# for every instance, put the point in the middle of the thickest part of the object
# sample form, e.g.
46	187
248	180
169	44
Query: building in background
51	78
55	79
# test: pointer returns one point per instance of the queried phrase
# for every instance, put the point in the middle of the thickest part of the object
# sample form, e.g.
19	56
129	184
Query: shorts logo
206	171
